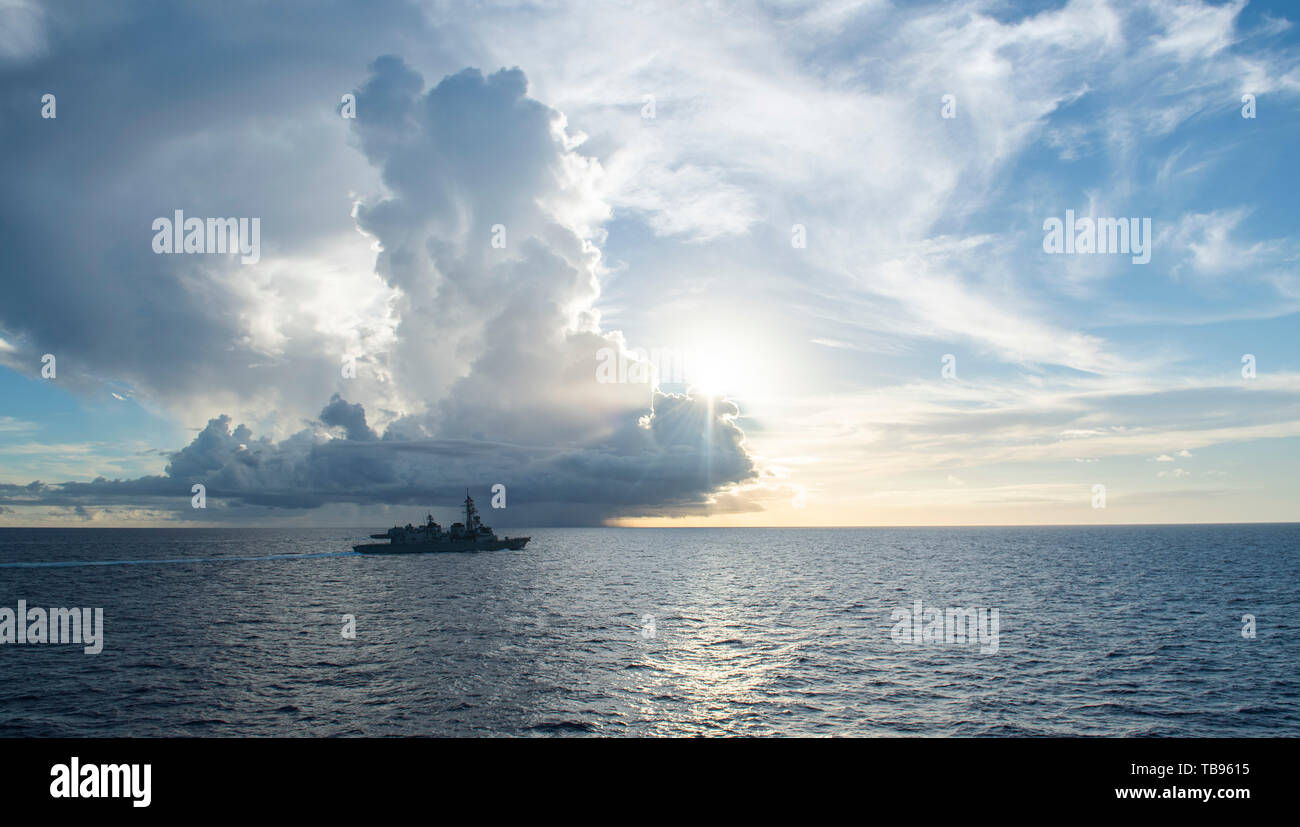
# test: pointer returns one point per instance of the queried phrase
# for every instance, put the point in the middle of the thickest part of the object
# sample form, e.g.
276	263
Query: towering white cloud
488	240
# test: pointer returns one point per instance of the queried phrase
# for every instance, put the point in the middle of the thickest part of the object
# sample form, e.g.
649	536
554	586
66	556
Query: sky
723	264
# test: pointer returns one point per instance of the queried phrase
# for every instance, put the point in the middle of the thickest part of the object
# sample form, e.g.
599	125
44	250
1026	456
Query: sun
708	374
730	366
724	361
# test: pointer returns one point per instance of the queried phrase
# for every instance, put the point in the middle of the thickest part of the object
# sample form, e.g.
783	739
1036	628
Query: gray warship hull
510	543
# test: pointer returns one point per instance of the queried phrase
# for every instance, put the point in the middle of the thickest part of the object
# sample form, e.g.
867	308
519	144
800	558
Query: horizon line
754	527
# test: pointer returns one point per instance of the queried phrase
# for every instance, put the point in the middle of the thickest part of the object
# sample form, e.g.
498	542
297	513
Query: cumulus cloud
487	237
351	418
667	462
251	136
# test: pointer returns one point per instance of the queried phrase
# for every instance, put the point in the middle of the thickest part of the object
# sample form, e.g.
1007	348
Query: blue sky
816	395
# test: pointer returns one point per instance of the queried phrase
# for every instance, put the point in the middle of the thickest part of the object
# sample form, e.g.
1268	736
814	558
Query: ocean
1114	630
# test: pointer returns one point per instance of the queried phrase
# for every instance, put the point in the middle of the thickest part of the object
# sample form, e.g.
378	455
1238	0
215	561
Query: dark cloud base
666	464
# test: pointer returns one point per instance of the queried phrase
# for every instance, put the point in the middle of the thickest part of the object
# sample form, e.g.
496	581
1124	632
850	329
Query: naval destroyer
470	535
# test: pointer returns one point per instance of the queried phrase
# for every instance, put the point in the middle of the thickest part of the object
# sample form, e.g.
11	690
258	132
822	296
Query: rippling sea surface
1131	631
